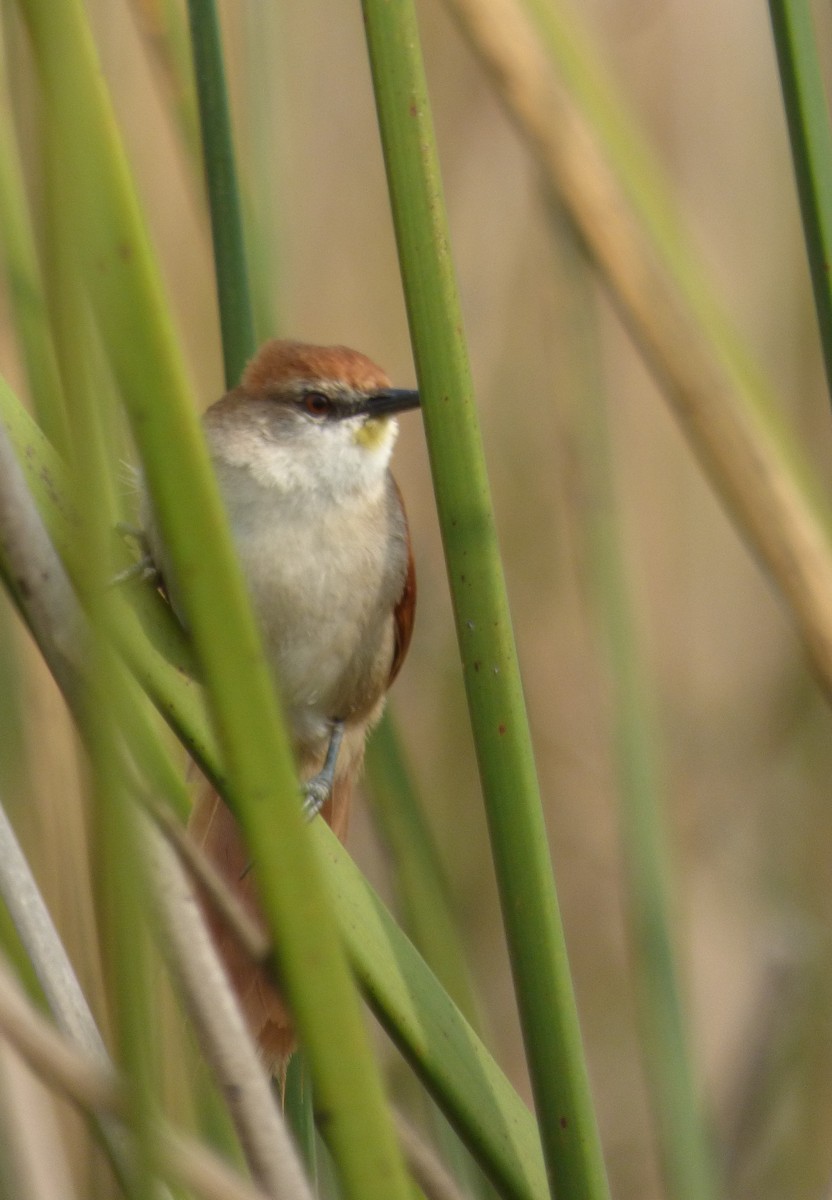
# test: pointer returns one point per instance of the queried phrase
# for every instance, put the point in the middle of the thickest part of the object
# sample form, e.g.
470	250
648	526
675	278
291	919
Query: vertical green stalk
807	113
683	1145
299	1112
122	904
262	33
237	326
518	838
120	886
236	316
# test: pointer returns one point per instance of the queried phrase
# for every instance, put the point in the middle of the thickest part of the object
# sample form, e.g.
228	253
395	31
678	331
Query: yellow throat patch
372	433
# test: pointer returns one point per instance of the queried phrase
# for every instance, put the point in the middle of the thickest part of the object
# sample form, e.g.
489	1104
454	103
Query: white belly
324	580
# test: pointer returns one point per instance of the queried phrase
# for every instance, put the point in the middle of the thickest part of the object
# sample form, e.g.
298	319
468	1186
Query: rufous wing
404	613
214	829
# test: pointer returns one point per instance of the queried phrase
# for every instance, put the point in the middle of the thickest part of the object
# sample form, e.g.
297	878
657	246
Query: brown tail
214	829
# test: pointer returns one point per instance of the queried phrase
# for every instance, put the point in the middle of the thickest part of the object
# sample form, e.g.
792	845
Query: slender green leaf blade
807	112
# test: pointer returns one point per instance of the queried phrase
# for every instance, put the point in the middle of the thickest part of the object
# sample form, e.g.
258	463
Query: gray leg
318	789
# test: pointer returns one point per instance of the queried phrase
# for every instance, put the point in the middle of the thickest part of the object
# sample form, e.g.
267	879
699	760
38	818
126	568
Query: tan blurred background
745	738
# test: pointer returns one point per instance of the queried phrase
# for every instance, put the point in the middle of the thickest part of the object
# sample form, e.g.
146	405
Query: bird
301	450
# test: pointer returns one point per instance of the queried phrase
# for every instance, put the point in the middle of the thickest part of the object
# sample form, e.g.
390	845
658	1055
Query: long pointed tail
214	829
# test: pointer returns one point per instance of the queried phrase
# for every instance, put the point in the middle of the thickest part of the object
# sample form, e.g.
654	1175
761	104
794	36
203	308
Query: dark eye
316	404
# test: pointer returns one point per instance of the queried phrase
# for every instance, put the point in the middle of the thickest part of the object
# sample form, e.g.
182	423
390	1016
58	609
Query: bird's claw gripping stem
318	789
144	567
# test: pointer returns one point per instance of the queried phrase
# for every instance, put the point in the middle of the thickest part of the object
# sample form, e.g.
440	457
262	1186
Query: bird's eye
316	404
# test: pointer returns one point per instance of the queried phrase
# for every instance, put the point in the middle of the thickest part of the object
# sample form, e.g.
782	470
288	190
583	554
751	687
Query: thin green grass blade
28	306
430	1031
807	113
129	306
120	887
419	878
424	903
236	315
121	892
262	31
298	1110
686	1156
237	326
518	838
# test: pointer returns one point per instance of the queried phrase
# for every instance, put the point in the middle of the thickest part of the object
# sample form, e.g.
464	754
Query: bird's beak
391	400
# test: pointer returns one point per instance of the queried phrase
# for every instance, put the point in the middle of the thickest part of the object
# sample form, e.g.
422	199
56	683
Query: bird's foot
318	789
144	567
316	792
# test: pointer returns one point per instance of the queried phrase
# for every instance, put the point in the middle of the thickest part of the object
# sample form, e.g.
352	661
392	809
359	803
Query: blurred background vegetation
744	735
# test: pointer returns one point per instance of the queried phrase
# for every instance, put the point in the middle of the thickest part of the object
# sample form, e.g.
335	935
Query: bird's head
310	417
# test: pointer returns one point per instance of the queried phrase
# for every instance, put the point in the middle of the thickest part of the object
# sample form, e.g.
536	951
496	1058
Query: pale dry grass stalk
738	453
43	946
34	1155
427	1169
35	573
87	1080
250	936
424	1165
222	1030
94	1087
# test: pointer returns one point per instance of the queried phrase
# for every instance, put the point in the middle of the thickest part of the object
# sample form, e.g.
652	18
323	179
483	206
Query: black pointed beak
391	400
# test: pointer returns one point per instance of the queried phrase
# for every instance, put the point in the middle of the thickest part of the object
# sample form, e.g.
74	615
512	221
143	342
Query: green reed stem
238	338
807	113
28	308
686	1156
236	315
421	886
518	838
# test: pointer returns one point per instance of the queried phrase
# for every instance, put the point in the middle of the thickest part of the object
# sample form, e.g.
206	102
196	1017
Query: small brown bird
301	450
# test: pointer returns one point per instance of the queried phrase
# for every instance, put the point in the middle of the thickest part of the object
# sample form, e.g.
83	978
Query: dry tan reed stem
222	1030
425	1165
732	444
35	1164
94	1086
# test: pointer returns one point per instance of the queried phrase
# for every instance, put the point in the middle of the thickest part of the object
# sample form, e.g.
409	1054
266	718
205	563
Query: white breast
324	577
